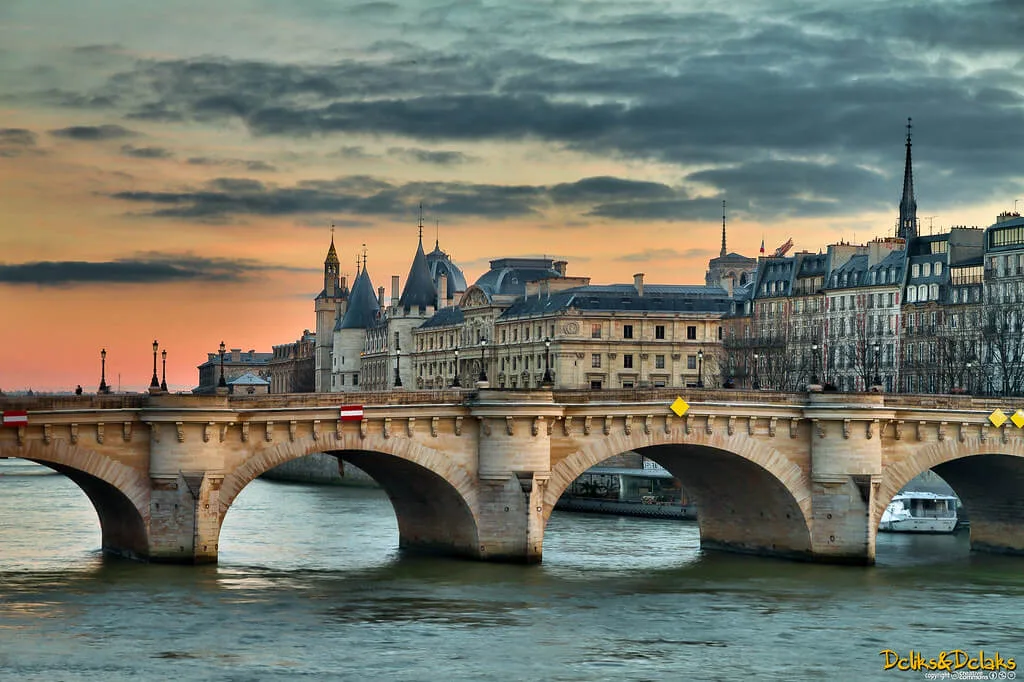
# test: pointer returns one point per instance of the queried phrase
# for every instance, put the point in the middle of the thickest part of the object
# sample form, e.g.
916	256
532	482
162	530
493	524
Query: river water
310	585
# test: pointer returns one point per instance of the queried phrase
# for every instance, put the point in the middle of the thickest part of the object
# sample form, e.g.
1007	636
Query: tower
329	305
907	227
722	253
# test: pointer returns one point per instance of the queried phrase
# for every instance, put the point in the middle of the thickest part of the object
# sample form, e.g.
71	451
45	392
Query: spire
907	228
437	234
722	254
421	224
419	285
364	256
331	269
362	303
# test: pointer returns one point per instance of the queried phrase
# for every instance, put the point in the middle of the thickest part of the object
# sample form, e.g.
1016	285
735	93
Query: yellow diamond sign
998	418
1018	419
679	406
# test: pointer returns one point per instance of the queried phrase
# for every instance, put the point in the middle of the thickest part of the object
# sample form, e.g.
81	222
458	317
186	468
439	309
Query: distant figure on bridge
78	390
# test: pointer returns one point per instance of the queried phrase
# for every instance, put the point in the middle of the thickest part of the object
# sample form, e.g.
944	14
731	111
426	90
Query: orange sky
171	172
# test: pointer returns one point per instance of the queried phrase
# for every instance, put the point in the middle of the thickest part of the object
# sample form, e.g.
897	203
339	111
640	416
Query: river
310	585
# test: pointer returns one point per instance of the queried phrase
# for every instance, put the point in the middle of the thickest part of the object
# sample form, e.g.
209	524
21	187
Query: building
329	306
235	363
248	384
1001	366
350	334
729	270
293	365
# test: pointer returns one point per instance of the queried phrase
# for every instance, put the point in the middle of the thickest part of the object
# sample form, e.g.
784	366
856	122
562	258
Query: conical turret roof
419	288
362	304
332	255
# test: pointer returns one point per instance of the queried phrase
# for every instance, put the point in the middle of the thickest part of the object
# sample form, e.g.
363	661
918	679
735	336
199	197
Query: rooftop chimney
395	291
560	266
380	296
442	292
638	283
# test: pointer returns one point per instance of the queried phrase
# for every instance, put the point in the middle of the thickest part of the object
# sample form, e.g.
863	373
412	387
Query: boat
920	512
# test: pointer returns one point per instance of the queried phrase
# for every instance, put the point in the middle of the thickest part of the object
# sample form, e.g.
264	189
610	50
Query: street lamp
222	383
455	381
700	368
969	365
163	382
814	363
756	384
547	362
483	370
398	362
103	373
878	379
154	384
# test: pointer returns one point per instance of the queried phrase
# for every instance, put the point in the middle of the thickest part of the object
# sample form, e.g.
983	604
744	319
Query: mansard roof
419	288
445	317
508	276
362	304
623	297
441	264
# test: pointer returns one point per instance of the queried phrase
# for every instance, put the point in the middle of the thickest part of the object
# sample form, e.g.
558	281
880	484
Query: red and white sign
351	413
15	418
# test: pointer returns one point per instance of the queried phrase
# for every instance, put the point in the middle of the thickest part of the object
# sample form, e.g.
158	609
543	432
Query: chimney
442	292
380	296
638	283
395	295
560	266
727	284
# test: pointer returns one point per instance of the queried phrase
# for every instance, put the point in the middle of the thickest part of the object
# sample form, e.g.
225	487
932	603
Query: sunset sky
171	170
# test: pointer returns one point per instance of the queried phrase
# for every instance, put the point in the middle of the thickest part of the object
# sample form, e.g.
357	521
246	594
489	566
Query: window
595	385
691	332
691	362
503	336
595	331
595	360
926	270
659	331
627	331
627	361
938	269
659	362
355	379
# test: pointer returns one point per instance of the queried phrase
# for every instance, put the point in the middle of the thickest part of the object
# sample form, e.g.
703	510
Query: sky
172	170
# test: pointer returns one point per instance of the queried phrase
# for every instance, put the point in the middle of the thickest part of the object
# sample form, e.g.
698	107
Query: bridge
478	473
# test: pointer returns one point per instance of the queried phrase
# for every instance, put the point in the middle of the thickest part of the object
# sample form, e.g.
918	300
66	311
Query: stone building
329	306
235	364
292	367
729	270
350	334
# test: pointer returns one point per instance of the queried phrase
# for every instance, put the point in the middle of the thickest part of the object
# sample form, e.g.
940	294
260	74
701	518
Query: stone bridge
477	473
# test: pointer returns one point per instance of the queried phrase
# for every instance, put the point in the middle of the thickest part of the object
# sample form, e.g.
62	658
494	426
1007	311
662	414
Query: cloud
250	165
146	152
147	268
664	254
351	152
439	158
15	142
93	133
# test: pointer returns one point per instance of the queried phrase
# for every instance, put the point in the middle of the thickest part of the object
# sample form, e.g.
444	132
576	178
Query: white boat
920	513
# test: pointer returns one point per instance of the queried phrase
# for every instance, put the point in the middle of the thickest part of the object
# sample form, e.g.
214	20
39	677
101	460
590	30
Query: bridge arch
987	476
119	494
433	495
749	496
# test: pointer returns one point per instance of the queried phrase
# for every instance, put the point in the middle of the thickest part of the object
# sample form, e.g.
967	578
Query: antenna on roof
723	228
437	234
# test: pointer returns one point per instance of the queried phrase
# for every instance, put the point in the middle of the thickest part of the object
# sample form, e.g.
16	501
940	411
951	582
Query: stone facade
293	365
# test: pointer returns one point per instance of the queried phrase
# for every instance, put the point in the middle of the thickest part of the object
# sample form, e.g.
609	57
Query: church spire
907	228
331	269
722	254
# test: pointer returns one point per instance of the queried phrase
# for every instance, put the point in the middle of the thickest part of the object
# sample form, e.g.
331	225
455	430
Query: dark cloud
254	166
94	133
351	152
439	158
149	268
146	152
16	142
664	254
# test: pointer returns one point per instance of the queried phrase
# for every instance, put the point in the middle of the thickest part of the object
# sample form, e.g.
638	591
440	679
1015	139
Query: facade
350	334
1001	369
329	306
292	366
729	270
235	364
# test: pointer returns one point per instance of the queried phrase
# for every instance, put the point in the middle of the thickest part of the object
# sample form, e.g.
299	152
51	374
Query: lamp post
103	389
398	362
700	368
756	384
877	379
547	362
814	363
154	384
483	370
222	383
163	381
455	381
969	366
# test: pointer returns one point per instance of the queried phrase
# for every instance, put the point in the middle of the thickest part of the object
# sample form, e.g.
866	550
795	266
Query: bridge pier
184	521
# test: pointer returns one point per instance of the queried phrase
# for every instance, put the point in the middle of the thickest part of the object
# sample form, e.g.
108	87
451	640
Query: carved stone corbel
920	429
586	425
47	433
458	426
21	434
870	431
648	420
627	426
819	427
688	424
567	425
751	425
433	426
535	426
794	425
179	427
224	431
668	423
292	428
99	432
898	429
1006	434
730	426
773	424
364	427
316	429
551	424
485	426
607	424
245	432
387	427
846	429
74	433
126	431
207	428
942	431
709	425
983	433
268	434
510	426
410	426
963	431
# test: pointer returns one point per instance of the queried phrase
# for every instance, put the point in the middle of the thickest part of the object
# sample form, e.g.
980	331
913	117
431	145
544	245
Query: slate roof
362	304
419	288
508	276
624	297
775	277
248	379
441	264
445	317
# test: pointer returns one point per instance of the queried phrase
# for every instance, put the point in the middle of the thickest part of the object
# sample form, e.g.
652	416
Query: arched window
922	292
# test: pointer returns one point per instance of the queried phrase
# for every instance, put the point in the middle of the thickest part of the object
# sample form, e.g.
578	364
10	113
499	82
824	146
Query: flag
15	418
351	413
762	246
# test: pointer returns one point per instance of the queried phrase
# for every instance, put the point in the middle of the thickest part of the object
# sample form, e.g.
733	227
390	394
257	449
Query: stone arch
434	497
119	494
988	477
770	515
